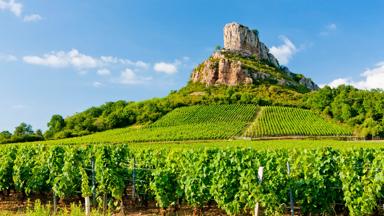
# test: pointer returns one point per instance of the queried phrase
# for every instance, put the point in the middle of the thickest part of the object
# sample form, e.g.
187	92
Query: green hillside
218	122
287	121
186	123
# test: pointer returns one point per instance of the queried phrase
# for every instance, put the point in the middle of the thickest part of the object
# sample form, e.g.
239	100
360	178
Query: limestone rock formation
241	39
245	60
220	70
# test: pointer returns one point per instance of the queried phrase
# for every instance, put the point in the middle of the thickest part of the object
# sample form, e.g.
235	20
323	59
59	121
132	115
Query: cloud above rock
284	52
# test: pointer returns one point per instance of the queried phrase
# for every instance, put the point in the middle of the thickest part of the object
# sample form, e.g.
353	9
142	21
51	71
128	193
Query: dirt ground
16	204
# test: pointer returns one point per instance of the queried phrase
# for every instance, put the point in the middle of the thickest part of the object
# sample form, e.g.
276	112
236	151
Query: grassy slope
287	121
214	122
186	123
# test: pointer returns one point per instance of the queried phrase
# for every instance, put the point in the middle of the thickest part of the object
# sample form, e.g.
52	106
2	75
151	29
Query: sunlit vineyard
186	123
218	122
285	121
196	176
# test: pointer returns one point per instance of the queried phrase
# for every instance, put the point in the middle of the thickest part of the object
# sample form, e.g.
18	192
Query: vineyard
218	122
186	123
322	180
287	121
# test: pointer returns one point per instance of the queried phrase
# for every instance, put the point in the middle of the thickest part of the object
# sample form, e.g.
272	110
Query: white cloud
115	60
131	72
83	62
11	5
141	64
371	78
7	57
339	81
64	59
168	68
284	52
129	77
32	18
103	72
97	84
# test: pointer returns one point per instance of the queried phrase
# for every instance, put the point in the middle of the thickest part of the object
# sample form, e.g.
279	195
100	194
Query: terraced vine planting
288	121
186	123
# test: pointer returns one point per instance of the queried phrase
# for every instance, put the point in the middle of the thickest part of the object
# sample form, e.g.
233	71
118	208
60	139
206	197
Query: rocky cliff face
220	70
245	60
241	39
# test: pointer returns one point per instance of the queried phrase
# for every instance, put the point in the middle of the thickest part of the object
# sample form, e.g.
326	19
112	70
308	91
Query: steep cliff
245	60
241	39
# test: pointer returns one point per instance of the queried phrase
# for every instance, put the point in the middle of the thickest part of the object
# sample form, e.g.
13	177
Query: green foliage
186	123
23	129
271	74
55	125
320	177
165	185
68	181
317	184
107	116
55	163
218	48
22	133
361	109
39	209
196	177
362	175
282	121
111	171
30	170
122	114
4	136
7	158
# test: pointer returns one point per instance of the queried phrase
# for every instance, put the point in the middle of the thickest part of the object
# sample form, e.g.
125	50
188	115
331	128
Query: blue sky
61	57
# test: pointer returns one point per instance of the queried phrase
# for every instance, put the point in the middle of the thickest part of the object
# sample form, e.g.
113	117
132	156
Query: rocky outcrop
308	83
220	70
241	39
246	60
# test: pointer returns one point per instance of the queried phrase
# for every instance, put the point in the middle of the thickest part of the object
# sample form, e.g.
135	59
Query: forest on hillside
363	110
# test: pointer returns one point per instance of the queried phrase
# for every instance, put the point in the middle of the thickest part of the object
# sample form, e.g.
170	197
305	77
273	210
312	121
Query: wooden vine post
87	206
93	181
134	180
290	191
260	177
54	203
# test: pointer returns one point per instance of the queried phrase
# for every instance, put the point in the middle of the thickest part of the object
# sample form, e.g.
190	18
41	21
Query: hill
219	122
245	60
288	121
243	72
186	123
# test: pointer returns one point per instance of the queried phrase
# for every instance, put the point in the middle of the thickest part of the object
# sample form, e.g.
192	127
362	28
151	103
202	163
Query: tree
56	123
22	130
24	133
5	136
39	134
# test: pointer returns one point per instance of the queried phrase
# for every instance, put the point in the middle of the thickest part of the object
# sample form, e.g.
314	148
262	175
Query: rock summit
245	60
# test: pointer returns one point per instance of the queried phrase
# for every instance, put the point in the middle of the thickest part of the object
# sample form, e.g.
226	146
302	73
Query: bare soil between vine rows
16	204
